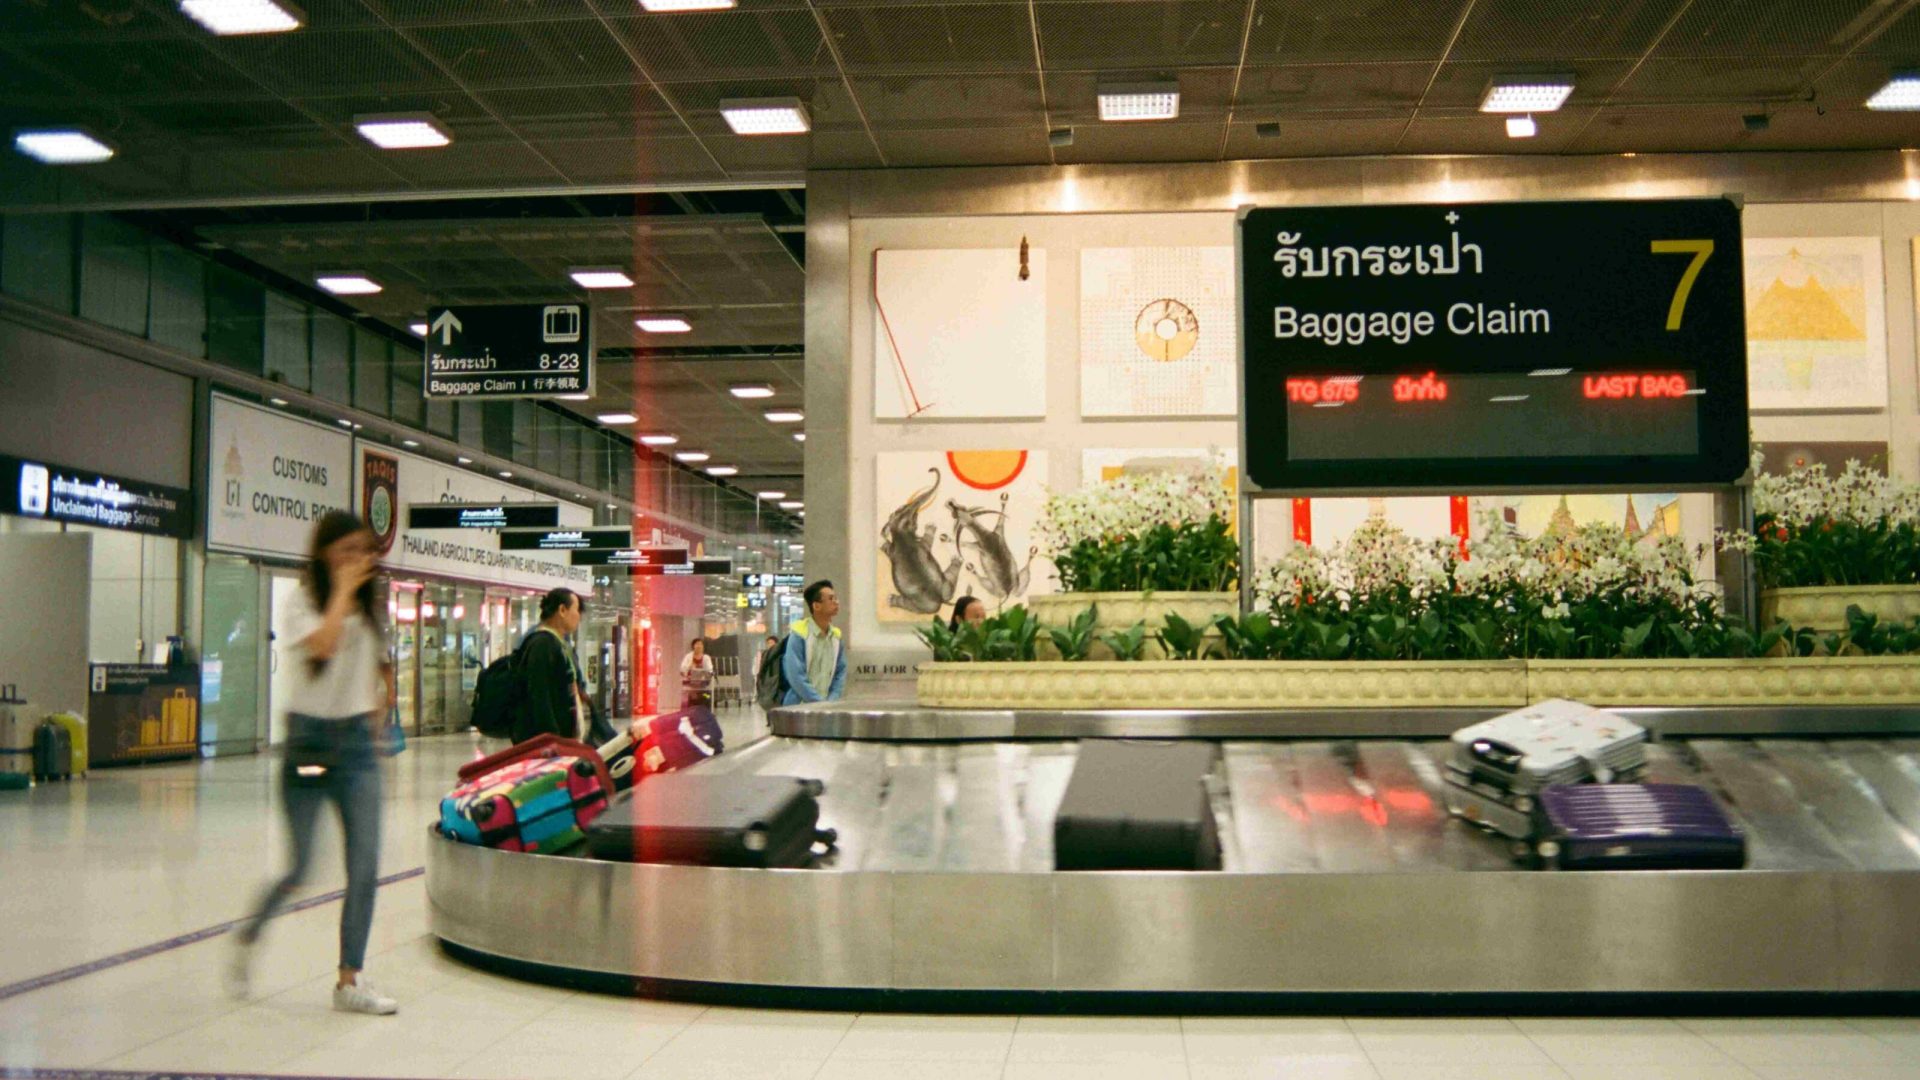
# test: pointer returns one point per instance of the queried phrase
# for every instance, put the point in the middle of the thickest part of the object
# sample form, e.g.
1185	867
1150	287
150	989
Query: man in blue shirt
815	659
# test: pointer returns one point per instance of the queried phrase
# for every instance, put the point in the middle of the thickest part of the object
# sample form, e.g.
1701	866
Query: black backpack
771	687
500	694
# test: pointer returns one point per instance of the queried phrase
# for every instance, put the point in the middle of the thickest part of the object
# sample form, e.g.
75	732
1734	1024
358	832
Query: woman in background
967	609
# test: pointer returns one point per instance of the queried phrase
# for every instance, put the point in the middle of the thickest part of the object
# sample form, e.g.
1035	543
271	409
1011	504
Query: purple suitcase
1637	827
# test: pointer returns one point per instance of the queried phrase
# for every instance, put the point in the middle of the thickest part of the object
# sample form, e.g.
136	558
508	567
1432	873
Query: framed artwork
1325	523
960	333
957	523
1816	323
1159	334
1646	517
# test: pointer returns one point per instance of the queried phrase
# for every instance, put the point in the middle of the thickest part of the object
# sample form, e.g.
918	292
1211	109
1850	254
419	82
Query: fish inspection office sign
1477	345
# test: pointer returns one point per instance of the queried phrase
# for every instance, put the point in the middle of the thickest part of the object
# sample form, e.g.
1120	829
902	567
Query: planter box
1824	607
1837	680
1119	610
1222	684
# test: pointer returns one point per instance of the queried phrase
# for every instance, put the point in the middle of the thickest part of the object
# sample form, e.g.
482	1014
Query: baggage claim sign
1479	345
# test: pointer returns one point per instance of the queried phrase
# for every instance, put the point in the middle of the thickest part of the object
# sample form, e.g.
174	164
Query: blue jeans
353	785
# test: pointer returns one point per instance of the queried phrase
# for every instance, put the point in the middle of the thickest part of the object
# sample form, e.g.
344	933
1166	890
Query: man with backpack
538	688
811	663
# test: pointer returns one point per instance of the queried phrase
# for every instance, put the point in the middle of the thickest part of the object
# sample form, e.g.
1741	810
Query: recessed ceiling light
785	416
692	457
617	418
659	440
280	401
686	5
722	470
225	17
505	474
576	397
1139	101
62	146
1901	94
1526	93
409	442
792	504
344	422
799	436
1521	127
751	390
765	116
347	283
600	277
464	460
403	131
771	496
419	328
663	324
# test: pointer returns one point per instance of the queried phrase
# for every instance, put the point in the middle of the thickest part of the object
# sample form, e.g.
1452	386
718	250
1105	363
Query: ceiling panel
1276	93
1730	80
525	53
1769	27
744	43
947	101
1552	31
1099	35
1319	137
1350	31
945	38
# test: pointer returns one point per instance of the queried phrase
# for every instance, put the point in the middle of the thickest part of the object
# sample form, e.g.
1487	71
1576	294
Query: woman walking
339	690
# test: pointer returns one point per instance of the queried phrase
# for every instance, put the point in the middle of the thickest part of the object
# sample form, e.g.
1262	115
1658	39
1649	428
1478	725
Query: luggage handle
686	728
1497	755
548	744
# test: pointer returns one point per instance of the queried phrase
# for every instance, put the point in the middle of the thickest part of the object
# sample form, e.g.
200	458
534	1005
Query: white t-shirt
687	663
350	683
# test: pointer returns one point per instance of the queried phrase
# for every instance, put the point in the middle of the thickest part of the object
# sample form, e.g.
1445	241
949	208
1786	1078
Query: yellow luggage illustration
178	713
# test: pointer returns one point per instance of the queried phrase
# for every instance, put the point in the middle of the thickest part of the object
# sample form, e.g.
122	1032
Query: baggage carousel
1344	878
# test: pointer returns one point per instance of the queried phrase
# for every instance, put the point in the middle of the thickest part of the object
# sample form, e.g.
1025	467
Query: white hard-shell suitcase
17	721
1552	742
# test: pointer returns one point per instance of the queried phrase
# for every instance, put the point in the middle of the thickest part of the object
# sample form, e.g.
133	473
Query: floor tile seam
658	1050
1849	1022
179	941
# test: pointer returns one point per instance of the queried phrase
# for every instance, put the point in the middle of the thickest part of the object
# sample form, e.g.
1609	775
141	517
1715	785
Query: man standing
554	701
815	662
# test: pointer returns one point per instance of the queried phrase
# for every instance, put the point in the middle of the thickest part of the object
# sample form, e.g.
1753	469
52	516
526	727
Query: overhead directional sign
565	540
634	556
500	515
509	351
762	580
696	568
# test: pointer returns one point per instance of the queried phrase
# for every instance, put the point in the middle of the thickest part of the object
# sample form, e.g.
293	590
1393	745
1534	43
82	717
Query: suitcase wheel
755	839
1549	852
483	813
1523	803
583	767
826	838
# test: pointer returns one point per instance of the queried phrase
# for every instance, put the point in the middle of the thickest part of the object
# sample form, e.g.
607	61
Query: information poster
142	712
273	477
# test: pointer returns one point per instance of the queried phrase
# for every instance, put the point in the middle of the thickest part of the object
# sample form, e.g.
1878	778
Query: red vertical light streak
1303	521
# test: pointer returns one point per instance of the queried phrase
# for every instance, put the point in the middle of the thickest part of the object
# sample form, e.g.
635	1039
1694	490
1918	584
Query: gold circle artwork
1166	330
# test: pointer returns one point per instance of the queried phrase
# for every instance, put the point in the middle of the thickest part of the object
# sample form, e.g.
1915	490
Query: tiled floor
134	857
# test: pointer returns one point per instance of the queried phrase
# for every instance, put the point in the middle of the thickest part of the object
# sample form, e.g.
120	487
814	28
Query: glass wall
235	628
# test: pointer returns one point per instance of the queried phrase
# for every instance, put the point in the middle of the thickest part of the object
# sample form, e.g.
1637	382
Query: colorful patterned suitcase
1637	827
540	803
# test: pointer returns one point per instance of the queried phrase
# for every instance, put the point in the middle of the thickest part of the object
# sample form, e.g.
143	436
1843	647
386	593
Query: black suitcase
1138	806
728	819
52	752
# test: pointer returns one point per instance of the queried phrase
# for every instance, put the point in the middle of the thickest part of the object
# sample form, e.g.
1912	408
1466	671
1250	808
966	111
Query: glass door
404	608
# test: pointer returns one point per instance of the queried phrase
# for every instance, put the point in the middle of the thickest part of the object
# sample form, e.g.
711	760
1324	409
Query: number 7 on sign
1701	250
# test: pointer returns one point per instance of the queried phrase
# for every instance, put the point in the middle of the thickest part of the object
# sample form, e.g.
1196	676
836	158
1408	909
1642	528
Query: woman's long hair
334	525
960	607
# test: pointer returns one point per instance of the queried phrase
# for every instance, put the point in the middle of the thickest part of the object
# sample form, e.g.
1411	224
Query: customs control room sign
1486	345
509	351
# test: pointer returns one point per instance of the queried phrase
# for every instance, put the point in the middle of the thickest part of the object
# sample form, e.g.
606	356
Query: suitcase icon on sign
560	324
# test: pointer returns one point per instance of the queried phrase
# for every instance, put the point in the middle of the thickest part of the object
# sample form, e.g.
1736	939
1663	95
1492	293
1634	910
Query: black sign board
633	556
60	493
1476	345
483	515
564	539
696	568
762	581
509	351
142	712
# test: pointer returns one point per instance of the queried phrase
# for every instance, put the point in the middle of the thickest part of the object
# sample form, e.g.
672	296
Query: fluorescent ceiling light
505	475
772	495
1526	93
660	440
419	328
686	5
344	422
280	401
1901	94
226	17
663	324
799	436
1139	101
347	283
617	418
464	460
62	146
1521	127
751	390
766	116
692	457
722	470
792	504
613	506
403	131
409	442
786	416
576	397
600	277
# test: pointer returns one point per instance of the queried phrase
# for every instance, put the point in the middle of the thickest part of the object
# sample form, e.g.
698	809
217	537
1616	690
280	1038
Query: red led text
1337	389
1429	388
1635	386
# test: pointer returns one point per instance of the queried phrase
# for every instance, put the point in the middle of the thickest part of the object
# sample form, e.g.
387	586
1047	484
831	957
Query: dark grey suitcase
728	819
1138	806
52	752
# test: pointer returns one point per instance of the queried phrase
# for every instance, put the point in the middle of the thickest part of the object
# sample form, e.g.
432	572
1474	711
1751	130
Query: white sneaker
361	998
240	970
